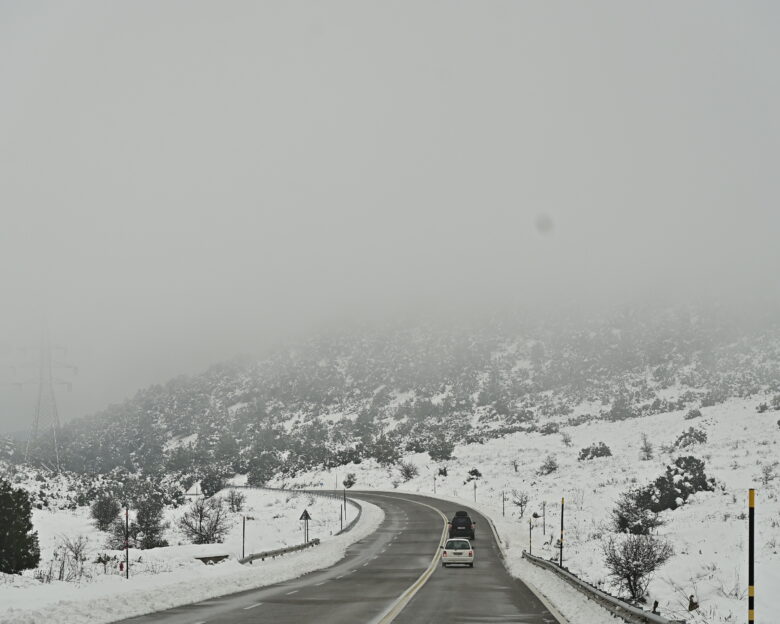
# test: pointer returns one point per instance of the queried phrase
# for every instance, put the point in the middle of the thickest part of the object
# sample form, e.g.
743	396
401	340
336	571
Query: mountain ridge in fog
352	394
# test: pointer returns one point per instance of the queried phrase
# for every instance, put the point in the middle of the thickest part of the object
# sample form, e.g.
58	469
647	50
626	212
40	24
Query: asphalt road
364	586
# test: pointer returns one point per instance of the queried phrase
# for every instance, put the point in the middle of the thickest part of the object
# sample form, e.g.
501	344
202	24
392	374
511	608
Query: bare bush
549	465
520	498
646	450
632	560
235	500
205	522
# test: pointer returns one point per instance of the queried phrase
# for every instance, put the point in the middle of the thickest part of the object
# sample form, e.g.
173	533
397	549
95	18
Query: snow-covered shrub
595	450
350	480
633	513
205	522
776	402
408	470
633	559
762	407
549	465
683	478
693	413
549	428
474	474
690	437
104	511
443	471
566	439
768	473
441	449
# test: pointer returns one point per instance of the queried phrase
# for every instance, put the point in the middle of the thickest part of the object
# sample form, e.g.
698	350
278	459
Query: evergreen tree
149	518
105	510
18	542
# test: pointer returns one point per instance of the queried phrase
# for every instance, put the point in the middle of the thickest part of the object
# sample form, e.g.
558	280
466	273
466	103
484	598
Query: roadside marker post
560	563
751	553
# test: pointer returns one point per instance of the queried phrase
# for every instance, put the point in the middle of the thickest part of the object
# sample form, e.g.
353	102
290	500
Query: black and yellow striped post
751	549
560	563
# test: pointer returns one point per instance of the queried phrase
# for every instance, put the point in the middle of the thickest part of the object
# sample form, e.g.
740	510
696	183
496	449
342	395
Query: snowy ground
166	577
709	533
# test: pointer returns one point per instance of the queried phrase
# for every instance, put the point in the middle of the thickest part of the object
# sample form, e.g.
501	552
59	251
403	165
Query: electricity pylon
46	414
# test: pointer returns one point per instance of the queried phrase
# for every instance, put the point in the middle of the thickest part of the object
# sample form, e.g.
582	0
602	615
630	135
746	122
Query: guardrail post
751	550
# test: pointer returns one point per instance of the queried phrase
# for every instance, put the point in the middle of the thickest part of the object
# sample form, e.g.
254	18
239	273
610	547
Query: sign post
305	517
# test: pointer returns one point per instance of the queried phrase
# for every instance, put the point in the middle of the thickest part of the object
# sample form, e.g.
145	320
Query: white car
457	551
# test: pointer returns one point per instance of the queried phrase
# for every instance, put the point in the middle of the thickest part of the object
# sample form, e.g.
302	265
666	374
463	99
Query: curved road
364	586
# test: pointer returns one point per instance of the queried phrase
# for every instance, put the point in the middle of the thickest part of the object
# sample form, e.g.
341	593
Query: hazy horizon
184	182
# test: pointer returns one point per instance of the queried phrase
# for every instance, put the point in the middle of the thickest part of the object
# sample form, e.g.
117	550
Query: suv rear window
461	521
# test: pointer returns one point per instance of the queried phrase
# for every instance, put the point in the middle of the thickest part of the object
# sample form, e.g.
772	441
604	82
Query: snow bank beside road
116	598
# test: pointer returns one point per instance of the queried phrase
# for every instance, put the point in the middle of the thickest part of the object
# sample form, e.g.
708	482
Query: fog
184	181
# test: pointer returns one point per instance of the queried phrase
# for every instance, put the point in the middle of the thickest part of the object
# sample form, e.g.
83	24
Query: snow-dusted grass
709	533
162	578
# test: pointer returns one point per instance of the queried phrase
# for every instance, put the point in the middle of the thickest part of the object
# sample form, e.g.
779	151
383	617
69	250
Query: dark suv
462	526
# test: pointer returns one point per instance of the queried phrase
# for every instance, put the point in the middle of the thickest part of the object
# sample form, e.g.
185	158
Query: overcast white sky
183	181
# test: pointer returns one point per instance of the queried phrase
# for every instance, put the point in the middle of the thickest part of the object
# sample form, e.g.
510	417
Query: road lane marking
257	604
321	583
392	612
294	591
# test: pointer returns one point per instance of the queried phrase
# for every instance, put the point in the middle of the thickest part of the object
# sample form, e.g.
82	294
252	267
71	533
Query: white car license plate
457	553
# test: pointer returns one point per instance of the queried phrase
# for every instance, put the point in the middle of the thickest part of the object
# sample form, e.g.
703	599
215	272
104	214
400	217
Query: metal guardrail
616	606
273	554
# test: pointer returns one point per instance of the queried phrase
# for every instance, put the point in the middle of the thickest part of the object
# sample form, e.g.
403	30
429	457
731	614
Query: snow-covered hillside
709	532
367	392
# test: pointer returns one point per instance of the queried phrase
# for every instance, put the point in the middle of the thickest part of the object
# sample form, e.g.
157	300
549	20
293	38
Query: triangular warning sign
305	515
